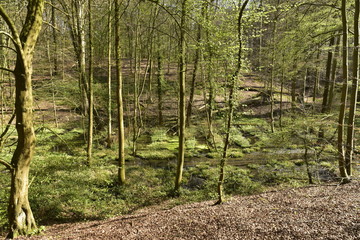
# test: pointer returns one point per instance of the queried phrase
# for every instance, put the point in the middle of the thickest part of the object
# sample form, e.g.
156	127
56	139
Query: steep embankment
315	212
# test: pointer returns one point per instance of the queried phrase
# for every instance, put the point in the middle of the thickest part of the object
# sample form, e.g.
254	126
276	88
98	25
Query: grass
64	189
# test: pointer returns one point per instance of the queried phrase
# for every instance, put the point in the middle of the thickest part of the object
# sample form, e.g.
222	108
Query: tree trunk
333	76
160	80
231	108
182	112
317	77
81	55
120	105
109	141
21	219
344	91
327	76
55	39
349	152
90	93
196	66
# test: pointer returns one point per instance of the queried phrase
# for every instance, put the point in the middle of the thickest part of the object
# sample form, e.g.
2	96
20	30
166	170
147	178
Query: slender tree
233	80
109	111
328	75
344	91
182	112
349	152
120	105
90	93
21	219
196	67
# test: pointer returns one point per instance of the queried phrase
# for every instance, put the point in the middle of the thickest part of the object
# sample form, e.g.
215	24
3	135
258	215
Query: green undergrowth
64	189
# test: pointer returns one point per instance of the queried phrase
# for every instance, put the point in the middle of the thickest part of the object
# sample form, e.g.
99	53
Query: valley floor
314	212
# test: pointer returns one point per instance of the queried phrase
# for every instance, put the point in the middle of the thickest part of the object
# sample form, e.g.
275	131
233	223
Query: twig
7	165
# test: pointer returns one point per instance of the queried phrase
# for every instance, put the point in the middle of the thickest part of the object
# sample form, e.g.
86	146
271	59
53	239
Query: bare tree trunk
90	93
21	219
109	141
182	112
317	77
160	80
80	12
333	76
328	74
51	73
349	151
55	39
121	172
135	87
196	66
344	91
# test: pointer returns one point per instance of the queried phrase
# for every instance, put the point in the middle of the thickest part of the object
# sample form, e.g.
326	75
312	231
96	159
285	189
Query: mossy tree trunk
21	219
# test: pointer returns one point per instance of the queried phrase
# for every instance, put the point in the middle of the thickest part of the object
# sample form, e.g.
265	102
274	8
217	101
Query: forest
109	107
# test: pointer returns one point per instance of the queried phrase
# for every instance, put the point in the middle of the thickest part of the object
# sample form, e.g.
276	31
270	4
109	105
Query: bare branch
7	127
7	47
7	69
14	33
7	165
321	5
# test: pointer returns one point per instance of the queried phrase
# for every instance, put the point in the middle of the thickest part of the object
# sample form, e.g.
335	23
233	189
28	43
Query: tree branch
14	33
7	127
7	165
7	47
6	69
321	5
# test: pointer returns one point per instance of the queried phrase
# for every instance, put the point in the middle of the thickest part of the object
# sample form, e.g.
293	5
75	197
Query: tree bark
196	66
21	219
182	112
349	151
333	76
55	39
231	107
90	93
109	141
328	74
160	81
120	105
344	91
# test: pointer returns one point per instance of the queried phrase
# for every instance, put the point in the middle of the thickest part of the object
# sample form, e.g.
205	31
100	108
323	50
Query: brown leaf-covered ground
316	212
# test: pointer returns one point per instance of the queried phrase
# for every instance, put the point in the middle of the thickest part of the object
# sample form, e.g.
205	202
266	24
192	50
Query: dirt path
316	212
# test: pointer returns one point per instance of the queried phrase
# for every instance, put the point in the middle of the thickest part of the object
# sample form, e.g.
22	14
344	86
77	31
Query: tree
182	112
120	105
109	62
344	91
90	93
21	219
234	78
349	152
75	19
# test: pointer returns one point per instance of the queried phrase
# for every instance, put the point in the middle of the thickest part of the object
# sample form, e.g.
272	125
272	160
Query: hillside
314	212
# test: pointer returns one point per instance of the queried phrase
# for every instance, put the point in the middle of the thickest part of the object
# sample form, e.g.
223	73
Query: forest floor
313	212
